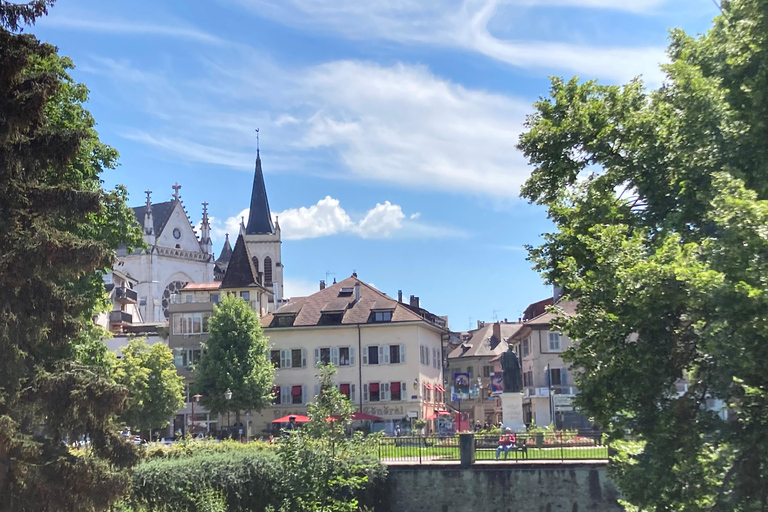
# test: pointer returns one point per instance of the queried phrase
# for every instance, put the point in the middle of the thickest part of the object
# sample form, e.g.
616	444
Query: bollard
467	449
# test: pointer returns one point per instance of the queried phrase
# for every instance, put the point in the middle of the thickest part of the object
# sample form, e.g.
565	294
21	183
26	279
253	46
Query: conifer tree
58	230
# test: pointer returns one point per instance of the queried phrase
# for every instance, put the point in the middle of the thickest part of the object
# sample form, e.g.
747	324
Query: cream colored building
124	311
475	356
548	386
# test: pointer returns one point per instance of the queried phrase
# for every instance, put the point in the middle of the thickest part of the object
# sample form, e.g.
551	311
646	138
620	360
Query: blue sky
387	126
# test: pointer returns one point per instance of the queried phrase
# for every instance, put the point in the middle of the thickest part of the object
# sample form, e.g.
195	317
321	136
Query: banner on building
461	385
497	383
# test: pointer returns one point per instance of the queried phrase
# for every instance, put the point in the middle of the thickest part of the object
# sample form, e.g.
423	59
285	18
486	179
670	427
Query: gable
177	220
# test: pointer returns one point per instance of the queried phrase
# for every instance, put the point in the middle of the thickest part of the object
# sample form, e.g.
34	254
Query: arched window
256	265
267	271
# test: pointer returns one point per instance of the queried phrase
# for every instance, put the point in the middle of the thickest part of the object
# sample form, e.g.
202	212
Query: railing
117	317
126	294
545	392
549	446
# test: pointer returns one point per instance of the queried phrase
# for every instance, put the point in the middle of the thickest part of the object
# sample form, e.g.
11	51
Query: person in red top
506	442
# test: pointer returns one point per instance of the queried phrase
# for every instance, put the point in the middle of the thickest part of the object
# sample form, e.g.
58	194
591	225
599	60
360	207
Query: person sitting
506	443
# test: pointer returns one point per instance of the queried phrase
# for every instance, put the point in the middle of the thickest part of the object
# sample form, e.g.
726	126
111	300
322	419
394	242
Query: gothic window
256	264
171	289
267	271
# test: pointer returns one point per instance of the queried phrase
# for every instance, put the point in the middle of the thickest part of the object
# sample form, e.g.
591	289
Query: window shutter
285	395
303	394
385	391
365	355
426	356
381	355
402	353
352	356
352	393
317	390
317	356
563	377
335	356
403	391
303	358
365	392
285	359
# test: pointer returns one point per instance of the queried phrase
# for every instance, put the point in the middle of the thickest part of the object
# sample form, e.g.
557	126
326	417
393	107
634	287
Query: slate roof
310	309
240	271
483	343
161	212
259	218
226	252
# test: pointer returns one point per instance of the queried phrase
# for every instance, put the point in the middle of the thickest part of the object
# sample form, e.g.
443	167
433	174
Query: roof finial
176	188
257	142
205	212
149	201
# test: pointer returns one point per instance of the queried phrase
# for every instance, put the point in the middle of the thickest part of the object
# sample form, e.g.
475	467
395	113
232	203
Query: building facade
174	256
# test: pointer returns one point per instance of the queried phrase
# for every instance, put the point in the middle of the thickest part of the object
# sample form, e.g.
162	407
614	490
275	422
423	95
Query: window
424	355
348	390
188	297
487	371
187	357
397	391
190	323
394	354
373	355
435	358
325	355
246	296
296	359
554	342
274	356
331	318
142	302
555	377
382	316
373	392
215	298
297	394
283	321
345	358
267	271
528	378
276	400
526	347
255	261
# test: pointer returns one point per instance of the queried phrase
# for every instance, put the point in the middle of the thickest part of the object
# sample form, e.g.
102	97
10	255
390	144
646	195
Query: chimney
414	301
399	295
322	285
357	292
506	321
497	331
557	292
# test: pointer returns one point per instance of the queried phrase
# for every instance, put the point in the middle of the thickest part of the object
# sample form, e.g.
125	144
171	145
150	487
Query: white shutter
335	356
303	358
352	393
402	353
365	392
285	359
403	391
385	391
285	395
317	356
381	354
352	356
303	394
365	355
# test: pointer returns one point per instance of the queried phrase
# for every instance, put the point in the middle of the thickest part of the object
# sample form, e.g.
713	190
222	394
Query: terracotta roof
201	286
161	212
310	309
484	343
568	307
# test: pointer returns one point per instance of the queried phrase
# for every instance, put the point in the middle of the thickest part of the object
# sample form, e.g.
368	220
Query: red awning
428	386
358	416
438	413
394	387
373	387
298	418
440	388
296	391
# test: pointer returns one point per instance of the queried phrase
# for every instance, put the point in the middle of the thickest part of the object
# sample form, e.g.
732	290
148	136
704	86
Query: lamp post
195	399
228	397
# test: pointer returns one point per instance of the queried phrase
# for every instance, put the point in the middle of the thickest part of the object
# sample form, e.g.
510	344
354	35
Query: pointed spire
259	218
226	251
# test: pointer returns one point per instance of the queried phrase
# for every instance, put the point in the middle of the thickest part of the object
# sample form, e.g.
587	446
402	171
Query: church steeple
259	218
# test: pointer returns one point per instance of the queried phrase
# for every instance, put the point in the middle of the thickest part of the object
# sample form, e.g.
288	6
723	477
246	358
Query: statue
513	377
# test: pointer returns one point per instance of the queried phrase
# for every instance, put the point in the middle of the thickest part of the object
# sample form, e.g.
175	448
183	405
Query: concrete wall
501	487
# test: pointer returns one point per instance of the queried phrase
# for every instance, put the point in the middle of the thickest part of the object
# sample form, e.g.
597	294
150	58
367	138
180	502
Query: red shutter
394	387
296	391
344	389
373	387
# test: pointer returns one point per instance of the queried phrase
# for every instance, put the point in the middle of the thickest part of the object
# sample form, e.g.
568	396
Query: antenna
470	324
495	316
327	274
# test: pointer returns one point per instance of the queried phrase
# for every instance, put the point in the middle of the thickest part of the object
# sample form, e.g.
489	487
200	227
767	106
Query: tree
660	203
59	231
155	390
235	358
330	403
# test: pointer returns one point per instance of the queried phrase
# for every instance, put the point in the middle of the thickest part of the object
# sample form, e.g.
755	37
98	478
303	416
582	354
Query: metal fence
554	446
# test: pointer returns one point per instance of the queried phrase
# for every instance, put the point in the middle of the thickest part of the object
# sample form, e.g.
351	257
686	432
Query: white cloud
300	287
327	218
463	24
127	27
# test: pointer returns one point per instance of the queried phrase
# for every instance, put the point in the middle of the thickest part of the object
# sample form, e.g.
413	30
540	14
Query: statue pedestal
512	412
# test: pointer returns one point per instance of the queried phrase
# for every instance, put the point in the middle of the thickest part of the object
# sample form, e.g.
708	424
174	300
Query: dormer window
346	291
381	316
331	318
283	321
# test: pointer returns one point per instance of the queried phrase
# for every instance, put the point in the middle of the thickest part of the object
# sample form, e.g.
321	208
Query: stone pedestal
512	412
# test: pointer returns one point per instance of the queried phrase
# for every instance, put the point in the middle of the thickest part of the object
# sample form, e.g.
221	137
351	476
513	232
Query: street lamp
228	397
196	399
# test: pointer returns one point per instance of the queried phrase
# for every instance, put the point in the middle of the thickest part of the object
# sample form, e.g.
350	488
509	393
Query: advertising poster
461	385
497	383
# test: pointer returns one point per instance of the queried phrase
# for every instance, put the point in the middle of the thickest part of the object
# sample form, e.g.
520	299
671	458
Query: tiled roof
310	309
484	343
201	286
240	271
568	308
226	252
161	212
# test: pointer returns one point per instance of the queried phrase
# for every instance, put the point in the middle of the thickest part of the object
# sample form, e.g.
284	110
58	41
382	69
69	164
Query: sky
387	127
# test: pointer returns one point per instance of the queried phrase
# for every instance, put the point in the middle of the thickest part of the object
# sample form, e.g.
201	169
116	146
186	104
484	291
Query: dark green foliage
251	479
660	199
59	229
236	357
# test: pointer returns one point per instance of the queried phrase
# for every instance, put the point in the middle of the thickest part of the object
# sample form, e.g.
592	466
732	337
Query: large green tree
235	358
59	229
155	390
660	199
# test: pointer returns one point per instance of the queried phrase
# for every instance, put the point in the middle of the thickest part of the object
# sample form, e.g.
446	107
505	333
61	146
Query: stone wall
568	487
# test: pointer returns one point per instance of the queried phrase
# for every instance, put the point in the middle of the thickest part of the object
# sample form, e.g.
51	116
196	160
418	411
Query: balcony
126	295
120	317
